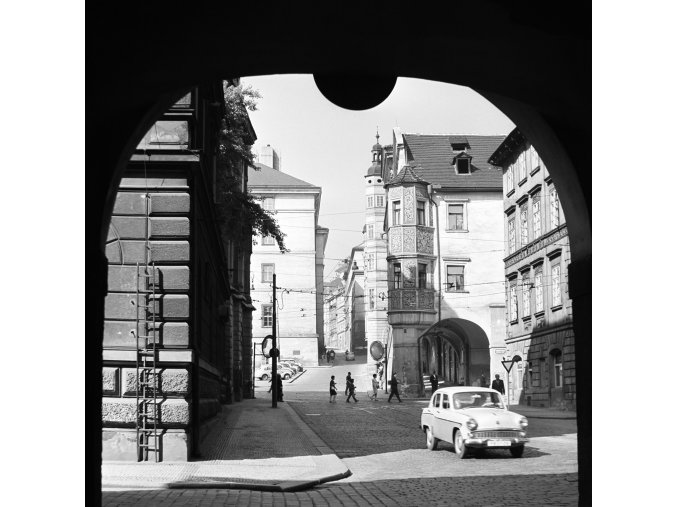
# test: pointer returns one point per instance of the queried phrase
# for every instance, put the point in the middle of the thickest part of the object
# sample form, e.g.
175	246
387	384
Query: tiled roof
407	175
271	178
507	149
432	155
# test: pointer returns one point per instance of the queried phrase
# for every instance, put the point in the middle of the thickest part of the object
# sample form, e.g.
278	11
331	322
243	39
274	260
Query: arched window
557	371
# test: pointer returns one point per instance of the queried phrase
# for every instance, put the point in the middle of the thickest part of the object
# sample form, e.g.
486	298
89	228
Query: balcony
411	299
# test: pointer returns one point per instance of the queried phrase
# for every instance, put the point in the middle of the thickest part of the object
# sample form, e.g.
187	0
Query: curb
283	486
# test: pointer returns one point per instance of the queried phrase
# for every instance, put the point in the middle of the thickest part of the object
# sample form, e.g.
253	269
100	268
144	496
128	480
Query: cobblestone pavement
484	490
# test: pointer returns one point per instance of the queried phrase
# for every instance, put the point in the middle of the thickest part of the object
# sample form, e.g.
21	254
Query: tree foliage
239	211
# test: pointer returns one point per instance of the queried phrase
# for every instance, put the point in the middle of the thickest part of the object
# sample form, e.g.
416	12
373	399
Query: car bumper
495	443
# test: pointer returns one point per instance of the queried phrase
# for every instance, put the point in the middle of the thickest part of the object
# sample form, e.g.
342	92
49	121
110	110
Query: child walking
332	390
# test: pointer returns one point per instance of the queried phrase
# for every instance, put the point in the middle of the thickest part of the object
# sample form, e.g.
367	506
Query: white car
266	372
473	418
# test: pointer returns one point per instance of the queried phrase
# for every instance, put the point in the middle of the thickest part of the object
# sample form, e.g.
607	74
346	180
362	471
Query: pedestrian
483	381
380	374
278	385
374	387
433	382
332	390
498	384
351	390
349	379
393	388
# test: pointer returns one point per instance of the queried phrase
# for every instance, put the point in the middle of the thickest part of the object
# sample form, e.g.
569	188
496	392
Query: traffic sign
507	365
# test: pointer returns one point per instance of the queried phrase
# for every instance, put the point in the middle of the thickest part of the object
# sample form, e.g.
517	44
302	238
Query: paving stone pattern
506	490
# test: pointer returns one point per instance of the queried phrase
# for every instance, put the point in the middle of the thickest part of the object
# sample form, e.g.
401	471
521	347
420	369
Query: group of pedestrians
373	396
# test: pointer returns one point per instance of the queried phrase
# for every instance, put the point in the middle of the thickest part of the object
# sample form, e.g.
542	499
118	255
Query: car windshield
475	399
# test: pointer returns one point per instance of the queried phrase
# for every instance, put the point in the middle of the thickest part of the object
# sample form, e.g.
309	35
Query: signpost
508	366
274	352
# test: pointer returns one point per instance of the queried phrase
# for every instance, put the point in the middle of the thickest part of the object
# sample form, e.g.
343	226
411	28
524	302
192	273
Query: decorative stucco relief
395	239
409	299
395	192
426	300
409	205
409	241
424	241
420	194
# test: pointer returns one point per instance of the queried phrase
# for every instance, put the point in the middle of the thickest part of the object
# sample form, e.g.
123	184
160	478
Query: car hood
488	418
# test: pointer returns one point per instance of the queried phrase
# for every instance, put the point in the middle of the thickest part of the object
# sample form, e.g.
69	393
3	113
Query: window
557	371
436	403
268	240
372	303
463	166
526	296
522	166
511	235
267	271
420	212
455	279
529	379
510	182
445	401
536	214
370	231
397	275
370	201
379	201
524	225
556	292
422	275
455	217
166	134
269	203
554	208
267	315
512	301
538	288
534	159
396	212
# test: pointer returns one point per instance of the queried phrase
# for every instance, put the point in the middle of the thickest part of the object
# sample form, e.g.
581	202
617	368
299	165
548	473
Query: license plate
498	443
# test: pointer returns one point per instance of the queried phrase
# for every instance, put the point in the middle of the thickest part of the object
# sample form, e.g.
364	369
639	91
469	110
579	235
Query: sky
330	147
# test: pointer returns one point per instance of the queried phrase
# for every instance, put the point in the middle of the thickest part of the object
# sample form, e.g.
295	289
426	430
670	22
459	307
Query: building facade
540	334
374	260
445	271
177	328
296	206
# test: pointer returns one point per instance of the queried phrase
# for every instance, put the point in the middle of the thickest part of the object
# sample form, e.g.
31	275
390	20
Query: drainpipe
439	274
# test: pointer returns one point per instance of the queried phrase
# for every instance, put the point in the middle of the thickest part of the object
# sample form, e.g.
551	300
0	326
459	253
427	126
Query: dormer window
462	163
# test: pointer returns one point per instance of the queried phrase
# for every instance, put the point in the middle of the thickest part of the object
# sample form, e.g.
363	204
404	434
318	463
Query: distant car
294	362
266	372
287	364
473	418
350	356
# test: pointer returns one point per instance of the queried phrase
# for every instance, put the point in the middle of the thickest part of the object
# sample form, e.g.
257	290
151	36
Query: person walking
349	379
498	384
351	390
277	384
393	388
332	390
374	387
380	374
433	382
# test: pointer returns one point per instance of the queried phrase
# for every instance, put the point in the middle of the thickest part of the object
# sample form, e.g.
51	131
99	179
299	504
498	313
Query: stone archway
127	90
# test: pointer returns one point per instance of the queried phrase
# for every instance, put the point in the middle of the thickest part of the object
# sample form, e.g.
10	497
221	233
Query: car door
446	421
434	413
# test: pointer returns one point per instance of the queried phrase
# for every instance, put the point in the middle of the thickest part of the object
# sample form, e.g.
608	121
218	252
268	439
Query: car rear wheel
264	377
286	376
517	451
430	441
459	446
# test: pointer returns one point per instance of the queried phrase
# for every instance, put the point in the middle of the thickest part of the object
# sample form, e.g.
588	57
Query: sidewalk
250	446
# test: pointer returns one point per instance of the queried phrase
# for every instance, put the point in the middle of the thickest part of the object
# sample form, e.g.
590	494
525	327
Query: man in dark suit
349	379
433	382
497	384
394	391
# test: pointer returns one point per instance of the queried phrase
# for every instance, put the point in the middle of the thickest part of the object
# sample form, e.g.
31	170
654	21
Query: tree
238	211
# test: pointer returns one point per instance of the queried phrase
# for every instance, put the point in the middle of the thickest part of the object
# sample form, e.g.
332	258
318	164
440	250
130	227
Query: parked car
473	418
287	364
266	372
294	362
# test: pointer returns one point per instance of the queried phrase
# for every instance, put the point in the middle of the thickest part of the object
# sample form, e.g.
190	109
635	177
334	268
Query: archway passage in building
457	350
521	48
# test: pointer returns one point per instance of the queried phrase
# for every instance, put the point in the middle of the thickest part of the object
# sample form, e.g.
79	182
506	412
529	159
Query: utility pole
274	351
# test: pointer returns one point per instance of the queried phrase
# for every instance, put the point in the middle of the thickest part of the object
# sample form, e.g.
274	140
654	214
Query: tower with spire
375	253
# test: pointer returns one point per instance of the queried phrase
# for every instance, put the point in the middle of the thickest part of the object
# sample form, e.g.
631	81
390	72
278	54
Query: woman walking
332	390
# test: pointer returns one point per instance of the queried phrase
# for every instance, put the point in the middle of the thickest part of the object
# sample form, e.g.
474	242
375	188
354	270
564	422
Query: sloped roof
267	177
433	155
407	175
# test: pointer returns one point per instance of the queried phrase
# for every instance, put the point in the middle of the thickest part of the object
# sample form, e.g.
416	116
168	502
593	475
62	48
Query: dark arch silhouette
533	61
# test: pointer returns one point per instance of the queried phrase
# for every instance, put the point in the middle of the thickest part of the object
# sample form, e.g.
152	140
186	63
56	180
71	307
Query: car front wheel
264	377
430	441
517	451
286	376
459	446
